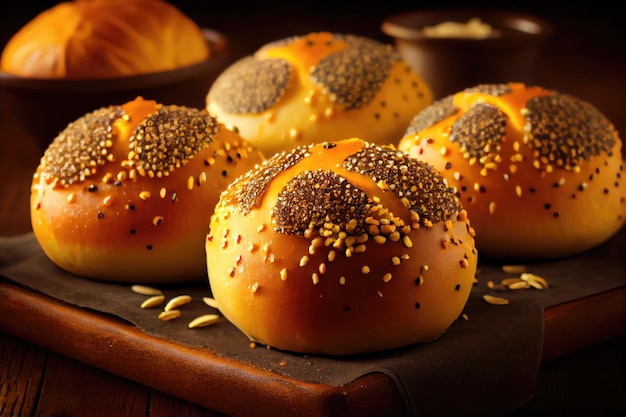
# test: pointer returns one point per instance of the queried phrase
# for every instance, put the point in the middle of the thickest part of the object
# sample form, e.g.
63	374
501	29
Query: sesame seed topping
436	112
81	147
334	212
564	131
168	138
479	132
354	76
263	80
161	142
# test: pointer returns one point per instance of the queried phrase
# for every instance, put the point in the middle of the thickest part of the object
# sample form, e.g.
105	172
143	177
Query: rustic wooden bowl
44	107
450	64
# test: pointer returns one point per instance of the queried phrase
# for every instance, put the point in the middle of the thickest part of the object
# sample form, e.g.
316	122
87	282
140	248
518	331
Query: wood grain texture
154	365
109	344
21	373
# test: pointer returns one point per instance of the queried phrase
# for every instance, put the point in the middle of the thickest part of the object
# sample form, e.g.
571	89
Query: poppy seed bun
318	87
539	172
88	39
340	248
125	193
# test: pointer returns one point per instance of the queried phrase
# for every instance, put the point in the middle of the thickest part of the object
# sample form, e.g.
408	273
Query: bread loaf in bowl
318	87
540	173
125	193
94	39
341	248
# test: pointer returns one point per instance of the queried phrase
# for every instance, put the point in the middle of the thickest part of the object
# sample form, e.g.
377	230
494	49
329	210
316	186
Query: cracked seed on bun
318	87
540	173
341	248
125	193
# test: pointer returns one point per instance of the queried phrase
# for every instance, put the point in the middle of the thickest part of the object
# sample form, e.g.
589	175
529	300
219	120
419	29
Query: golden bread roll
540	173
317	87
85	39
125	193
340	248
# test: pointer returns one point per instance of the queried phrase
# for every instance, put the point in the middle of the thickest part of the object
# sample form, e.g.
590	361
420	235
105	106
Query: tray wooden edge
589	321
106	343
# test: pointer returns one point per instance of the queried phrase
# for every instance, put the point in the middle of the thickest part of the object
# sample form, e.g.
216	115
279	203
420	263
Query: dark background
584	57
600	22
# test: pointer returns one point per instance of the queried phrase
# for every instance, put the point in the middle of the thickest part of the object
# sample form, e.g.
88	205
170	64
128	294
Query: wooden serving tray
243	381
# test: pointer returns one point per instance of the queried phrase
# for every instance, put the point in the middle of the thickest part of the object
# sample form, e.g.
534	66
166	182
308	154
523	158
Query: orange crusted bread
316	87
125	193
341	248
540	173
88	39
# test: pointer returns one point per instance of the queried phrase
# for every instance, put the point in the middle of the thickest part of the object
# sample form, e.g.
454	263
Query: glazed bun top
540	172
90	39
125	193
317	87
341	248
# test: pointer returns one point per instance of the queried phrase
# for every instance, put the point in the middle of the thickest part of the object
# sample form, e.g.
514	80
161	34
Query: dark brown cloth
485	364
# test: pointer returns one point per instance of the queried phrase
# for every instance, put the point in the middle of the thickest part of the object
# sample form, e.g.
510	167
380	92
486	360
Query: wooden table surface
579	376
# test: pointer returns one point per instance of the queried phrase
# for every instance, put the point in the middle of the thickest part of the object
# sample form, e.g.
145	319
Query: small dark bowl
451	64
44	107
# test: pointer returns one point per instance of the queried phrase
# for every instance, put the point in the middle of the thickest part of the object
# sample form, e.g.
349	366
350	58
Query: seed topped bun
104	38
125	193
540	173
340	248
317	87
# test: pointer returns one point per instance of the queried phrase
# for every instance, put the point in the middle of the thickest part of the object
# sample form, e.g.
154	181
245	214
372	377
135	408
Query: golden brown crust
125	193
340	248
316	87
539	172
103	39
